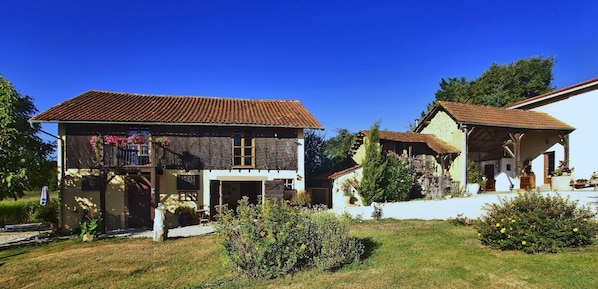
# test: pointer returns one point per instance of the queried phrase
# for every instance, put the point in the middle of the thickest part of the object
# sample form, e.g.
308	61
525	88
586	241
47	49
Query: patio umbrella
44	198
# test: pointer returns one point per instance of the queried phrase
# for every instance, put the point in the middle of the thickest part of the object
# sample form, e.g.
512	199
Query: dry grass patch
399	254
127	263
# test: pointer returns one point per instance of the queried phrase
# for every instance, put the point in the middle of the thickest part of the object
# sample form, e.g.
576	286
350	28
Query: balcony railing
140	155
127	155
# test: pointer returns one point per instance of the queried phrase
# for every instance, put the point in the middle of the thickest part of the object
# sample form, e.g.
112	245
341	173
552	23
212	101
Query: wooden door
548	166
214	197
139	203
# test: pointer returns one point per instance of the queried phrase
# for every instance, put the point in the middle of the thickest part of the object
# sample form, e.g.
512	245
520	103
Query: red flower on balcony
136	139
114	140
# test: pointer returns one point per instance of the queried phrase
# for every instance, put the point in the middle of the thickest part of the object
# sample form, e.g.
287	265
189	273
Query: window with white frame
289	184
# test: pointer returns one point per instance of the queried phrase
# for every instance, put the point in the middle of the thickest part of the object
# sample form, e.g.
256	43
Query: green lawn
399	254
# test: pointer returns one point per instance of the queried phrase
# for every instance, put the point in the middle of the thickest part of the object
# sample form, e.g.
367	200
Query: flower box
561	183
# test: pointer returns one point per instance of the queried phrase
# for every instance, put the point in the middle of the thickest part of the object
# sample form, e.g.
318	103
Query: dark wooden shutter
274	189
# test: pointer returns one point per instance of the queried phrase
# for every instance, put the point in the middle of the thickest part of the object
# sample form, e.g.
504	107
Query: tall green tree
336	149
315	161
501	85
370	187
24	157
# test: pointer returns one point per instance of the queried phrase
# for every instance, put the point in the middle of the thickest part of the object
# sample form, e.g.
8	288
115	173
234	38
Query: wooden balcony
140	156
128	155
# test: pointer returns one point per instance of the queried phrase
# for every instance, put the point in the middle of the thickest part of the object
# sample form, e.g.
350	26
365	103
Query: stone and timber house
120	154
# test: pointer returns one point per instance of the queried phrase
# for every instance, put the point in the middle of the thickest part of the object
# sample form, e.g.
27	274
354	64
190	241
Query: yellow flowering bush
535	222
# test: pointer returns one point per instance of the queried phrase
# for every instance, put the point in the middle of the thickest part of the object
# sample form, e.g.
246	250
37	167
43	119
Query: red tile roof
434	143
103	106
556	95
344	172
501	117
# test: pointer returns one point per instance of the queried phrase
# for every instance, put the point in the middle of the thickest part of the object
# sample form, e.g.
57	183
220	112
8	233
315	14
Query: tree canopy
336	148
23	155
324	156
501	85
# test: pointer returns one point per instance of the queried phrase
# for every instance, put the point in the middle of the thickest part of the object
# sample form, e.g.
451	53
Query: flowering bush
113	140
136	139
96	142
162	141
96	145
272	240
563	169
533	222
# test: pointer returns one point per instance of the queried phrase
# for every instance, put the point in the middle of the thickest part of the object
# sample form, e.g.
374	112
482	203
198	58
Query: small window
243	148
187	182
289	184
90	183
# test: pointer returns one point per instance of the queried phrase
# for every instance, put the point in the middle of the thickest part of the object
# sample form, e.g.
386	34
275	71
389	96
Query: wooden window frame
243	148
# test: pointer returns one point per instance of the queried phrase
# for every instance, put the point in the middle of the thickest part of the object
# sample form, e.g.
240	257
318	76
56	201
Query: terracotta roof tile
104	106
434	143
502	117
344	172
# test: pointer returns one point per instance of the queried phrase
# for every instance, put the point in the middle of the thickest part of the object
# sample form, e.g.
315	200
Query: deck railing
127	155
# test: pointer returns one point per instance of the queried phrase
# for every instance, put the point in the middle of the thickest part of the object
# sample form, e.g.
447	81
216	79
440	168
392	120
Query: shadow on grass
369	247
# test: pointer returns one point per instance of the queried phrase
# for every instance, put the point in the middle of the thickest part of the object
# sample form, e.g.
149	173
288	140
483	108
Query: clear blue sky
349	62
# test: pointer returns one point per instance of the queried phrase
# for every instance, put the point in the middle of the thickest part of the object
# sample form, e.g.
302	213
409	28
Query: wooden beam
103	216
564	141
516	139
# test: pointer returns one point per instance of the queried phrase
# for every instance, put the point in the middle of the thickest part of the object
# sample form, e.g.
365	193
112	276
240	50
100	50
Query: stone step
26	227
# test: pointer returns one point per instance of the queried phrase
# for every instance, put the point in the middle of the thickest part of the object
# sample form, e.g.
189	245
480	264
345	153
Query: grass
31	196
410	254
19	211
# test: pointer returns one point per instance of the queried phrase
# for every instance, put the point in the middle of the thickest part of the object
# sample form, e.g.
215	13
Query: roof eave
555	95
569	129
32	120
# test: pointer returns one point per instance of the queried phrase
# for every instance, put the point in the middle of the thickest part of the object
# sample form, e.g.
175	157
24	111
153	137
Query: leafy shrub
301	198
276	239
89	226
47	214
329	244
533	222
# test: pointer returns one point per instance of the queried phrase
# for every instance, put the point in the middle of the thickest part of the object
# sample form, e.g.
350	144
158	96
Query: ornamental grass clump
534	222
275	239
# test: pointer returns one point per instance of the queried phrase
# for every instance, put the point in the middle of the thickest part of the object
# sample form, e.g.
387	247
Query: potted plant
96	145
594	178
162	141
348	187
473	178
184	215
562	179
136	139
563	169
